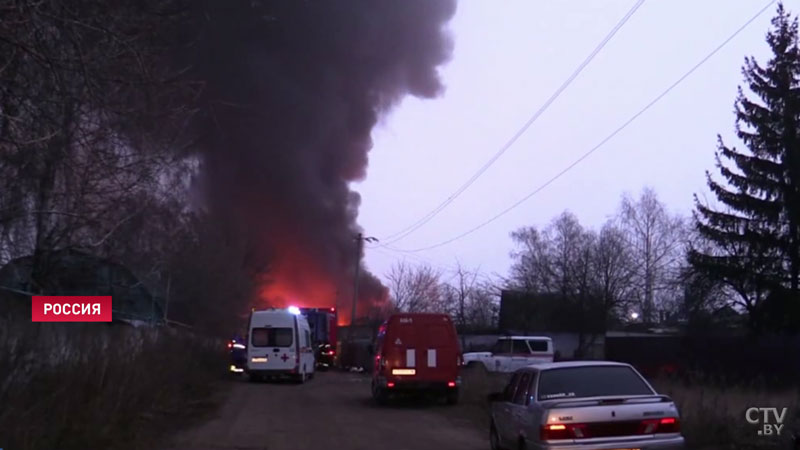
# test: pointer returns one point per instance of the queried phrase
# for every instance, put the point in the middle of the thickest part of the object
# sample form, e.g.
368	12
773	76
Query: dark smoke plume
293	90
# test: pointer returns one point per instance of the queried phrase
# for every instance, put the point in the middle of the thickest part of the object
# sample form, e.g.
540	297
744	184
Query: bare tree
591	272
90	137
546	261
656	242
613	270
415	288
530	271
470	299
460	292
484	307
214	275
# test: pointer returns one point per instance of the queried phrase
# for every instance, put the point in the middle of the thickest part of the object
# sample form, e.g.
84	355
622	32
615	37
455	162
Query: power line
444	270
415	259
430	215
603	142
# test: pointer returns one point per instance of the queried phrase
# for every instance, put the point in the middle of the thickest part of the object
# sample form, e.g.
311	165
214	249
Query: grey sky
508	59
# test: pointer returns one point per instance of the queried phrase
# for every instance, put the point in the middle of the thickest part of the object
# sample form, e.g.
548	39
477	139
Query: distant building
76	273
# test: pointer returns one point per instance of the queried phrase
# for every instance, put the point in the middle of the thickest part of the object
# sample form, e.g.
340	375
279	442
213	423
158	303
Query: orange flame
298	279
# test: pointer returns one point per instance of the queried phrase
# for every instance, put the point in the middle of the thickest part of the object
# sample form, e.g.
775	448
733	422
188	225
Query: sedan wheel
494	438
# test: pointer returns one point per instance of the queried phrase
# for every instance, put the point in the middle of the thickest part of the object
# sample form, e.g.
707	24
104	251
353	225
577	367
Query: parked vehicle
591	405
416	353
279	345
326	356
237	354
511	353
324	330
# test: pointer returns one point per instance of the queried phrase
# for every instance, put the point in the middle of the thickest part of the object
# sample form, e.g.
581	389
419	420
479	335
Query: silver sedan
586	405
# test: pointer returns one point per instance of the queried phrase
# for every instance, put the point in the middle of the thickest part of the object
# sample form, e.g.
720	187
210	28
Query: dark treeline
207	146
96	129
737	258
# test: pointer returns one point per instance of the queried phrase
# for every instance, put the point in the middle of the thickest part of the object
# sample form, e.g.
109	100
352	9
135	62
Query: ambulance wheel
301	378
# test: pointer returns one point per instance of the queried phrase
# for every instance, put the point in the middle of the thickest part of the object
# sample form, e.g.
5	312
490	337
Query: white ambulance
279	344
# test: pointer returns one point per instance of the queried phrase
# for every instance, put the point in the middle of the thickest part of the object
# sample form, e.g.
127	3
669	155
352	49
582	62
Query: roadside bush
92	386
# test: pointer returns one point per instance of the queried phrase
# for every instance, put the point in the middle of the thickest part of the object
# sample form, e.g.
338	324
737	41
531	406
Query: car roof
412	315
280	311
527	337
567	364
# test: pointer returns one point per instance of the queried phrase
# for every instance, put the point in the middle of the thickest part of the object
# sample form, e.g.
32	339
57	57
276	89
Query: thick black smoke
293	90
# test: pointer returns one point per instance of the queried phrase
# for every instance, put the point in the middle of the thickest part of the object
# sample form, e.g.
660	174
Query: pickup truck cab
511	353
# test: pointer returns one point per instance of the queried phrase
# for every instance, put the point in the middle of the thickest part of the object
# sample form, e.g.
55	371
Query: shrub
85	386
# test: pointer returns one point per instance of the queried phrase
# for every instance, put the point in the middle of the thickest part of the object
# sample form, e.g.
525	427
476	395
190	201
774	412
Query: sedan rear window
272	337
593	381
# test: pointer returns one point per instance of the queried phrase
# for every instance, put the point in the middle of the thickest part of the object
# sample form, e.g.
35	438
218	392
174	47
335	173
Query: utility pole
351	331
360	239
359	244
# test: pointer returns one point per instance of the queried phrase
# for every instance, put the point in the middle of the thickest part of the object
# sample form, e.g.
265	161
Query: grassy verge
92	386
712	413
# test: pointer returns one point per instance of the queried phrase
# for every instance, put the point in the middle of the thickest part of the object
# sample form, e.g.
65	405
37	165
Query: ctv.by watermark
771	420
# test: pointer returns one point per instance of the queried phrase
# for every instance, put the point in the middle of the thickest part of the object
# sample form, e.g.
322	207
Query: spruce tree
756	236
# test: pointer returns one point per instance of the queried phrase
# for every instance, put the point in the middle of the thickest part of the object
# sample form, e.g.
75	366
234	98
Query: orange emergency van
416	353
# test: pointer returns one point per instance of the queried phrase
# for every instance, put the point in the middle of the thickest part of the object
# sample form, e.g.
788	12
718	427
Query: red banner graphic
58	308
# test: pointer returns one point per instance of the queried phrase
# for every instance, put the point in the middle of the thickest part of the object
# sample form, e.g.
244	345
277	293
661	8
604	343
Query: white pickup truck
511	353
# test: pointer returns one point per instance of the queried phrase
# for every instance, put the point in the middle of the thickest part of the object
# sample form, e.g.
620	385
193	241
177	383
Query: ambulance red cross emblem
284	357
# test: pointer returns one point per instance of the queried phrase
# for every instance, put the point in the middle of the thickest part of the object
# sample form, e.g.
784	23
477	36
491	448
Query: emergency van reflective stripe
411	358
431	357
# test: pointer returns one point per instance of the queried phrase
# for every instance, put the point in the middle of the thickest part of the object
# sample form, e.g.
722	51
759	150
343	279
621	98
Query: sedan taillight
554	431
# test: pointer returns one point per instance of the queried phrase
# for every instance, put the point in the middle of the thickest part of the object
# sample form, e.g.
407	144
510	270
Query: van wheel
452	397
494	438
253	377
379	395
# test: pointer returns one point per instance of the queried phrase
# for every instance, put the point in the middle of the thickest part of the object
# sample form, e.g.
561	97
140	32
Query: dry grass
713	414
92	386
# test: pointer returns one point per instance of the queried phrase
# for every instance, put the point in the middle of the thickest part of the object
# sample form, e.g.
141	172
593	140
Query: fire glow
299	280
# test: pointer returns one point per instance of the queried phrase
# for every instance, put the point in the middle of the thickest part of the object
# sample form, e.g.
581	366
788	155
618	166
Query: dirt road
332	411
